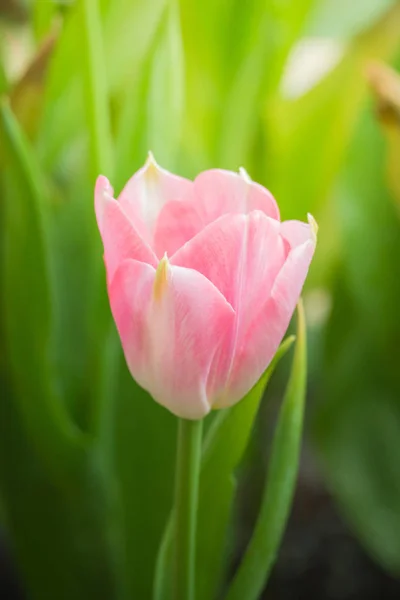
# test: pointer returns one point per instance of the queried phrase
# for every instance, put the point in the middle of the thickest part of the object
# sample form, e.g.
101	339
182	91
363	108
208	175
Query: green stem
186	498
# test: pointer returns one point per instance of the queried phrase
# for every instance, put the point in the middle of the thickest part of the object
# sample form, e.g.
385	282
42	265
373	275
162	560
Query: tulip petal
170	338
179	221
241	255
102	191
260	342
146	193
120	238
215	193
221	192
296	232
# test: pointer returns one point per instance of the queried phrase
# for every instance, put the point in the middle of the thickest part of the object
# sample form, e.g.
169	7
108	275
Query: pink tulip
203	279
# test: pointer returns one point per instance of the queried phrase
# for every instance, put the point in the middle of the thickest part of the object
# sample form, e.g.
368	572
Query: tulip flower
203	279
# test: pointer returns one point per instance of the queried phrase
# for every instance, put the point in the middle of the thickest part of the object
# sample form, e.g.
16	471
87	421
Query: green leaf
27	303
223	450
65	540
260	554
43	15
64	120
277	27
145	123
357	426
342	19
145	439
164	119
96	88
3	75
103	344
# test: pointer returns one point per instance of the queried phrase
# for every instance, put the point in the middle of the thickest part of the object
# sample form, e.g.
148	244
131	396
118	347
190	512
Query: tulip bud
203	279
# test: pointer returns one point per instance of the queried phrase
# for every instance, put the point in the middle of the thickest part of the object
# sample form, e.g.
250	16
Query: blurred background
306	96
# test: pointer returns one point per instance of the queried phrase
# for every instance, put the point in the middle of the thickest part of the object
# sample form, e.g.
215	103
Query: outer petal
268	327
215	193
146	193
170	340
102	191
241	255
120	238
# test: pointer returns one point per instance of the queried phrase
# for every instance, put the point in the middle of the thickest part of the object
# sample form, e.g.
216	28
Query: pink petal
146	193
221	192
170	342
120	238
241	255
296	232
268	327
102	191
179	221
215	193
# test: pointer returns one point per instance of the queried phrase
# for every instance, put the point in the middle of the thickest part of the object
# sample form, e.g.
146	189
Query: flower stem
186	498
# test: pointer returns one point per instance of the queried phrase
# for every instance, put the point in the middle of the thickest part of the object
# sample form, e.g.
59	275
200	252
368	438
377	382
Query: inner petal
215	193
147	192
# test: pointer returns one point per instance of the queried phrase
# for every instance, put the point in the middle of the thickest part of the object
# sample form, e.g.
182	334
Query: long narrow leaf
103	351
43	15
258	75
27	305
97	110
261	551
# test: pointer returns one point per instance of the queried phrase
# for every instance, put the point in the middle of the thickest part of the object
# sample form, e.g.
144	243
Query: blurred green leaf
145	438
167	82
44	12
342	19
258	73
206	28
228	84
260	554
27	303
66	540
96	90
224	447
152	106
358	423
128	31
102	346
3	76
311	134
